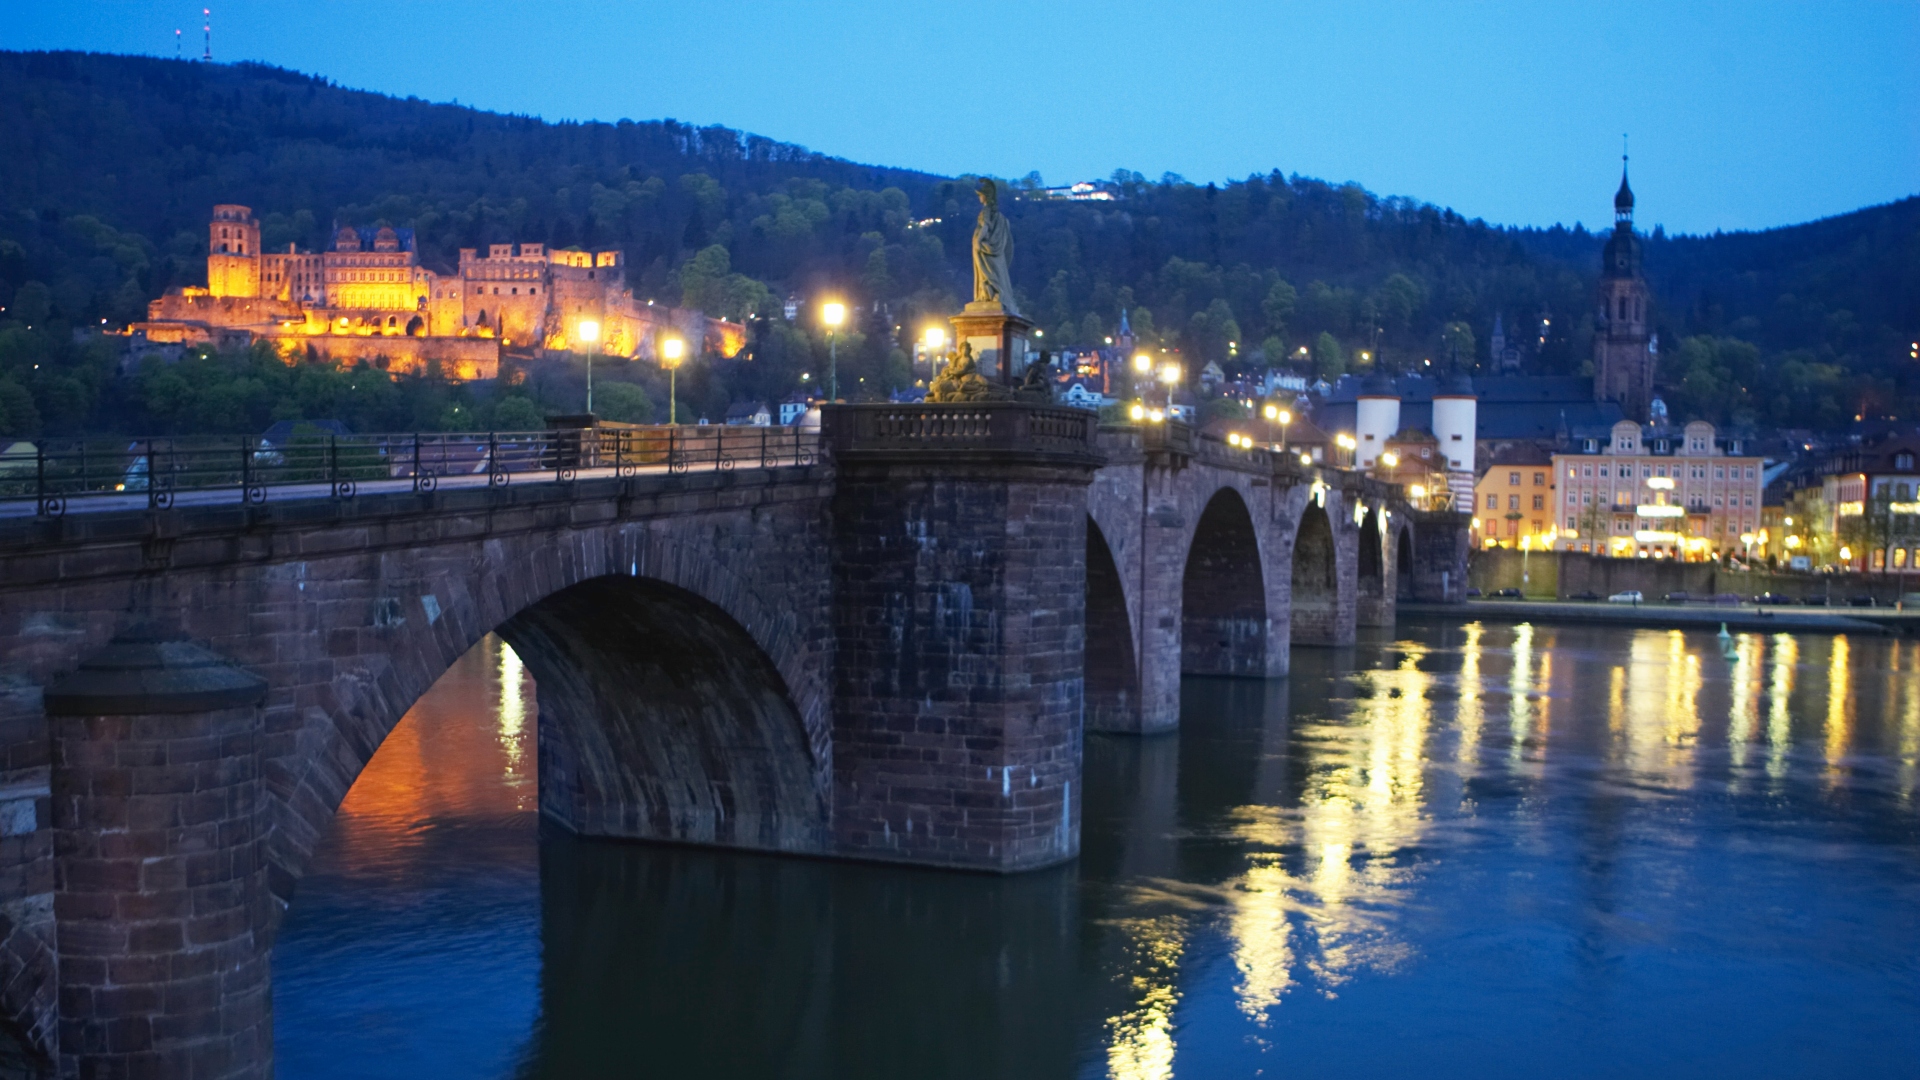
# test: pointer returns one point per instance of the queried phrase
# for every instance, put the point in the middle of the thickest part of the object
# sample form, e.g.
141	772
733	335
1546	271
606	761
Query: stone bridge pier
890	652
1203	559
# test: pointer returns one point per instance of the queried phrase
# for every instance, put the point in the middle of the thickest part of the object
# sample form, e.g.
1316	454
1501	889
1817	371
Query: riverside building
1658	492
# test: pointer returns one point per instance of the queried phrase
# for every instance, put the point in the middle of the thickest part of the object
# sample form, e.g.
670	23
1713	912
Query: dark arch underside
1315	595
1112	680
1223	625
661	719
1403	564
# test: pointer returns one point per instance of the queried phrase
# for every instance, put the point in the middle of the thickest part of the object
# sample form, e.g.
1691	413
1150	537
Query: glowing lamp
672	351
1142	363
589	331
1138	412
1418	491
833	314
1170	374
935	337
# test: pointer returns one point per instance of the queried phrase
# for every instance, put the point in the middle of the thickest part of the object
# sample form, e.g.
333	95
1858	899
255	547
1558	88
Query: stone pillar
160	897
1165	532
959	610
1441	541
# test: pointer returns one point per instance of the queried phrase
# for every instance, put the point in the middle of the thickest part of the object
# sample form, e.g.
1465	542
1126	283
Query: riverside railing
63	475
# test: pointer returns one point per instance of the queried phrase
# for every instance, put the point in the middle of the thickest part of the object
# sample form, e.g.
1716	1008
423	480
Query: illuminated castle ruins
370	298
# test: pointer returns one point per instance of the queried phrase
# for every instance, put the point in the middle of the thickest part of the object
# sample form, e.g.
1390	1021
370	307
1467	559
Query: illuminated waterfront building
1659	492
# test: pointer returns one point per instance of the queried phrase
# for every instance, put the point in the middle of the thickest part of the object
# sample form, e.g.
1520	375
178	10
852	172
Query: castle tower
233	252
1622	348
1376	418
1456	426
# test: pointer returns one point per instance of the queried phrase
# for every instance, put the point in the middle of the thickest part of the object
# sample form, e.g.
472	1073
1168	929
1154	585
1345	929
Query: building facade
369	296
1654	492
1513	502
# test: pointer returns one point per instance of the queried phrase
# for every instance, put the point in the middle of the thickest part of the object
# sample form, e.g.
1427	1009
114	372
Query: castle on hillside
370	298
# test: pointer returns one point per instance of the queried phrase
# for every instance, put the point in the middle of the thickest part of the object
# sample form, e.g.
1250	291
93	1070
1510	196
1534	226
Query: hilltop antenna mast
207	29
176	45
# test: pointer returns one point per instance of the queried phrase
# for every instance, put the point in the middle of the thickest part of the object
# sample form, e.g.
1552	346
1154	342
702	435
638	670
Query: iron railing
62	475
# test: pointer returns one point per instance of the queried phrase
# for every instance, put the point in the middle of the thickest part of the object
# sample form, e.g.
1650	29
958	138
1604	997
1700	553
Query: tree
1329	360
624	403
1277	308
516	413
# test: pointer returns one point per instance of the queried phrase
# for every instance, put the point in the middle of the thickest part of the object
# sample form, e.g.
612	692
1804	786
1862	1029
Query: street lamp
833	314
672	351
1345	442
1277	414
589	332
1170	375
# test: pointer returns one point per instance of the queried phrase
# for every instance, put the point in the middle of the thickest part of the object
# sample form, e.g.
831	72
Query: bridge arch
1403	562
1316	591
1112	670
1373	599
664	713
1224	625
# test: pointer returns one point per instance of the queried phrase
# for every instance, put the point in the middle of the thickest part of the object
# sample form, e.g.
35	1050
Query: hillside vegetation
115	162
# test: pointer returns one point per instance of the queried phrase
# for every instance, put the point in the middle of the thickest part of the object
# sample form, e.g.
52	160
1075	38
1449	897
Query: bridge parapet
961	431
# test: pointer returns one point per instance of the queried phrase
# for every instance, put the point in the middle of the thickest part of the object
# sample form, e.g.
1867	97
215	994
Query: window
1749	472
1513	502
1586	498
1661	471
1646	471
1719	473
1539	479
1570	525
1539	502
1513	479
1903	462
1603	472
1586	470
1572	473
1493	502
1899	558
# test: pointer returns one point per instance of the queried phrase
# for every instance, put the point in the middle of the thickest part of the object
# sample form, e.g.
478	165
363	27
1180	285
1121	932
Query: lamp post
589	332
833	314
1277	414
671	352
1345	442
1170	375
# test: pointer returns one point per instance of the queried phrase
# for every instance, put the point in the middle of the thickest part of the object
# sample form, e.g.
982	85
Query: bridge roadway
890	653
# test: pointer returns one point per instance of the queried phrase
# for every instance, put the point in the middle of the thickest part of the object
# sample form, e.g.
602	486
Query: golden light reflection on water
1786	659
1839	707
1316	917
1743	705
1327	872
1519	684
1909	731
1141	1045
513	707
1470	713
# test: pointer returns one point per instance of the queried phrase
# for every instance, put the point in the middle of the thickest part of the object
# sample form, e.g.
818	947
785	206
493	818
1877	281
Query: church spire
1623	199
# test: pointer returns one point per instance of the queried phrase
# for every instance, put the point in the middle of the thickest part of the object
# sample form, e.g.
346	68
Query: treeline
122	158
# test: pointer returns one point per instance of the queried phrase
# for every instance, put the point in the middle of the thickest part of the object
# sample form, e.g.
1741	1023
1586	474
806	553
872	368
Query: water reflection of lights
1743	713
1839	708
511	676
1909	733
1469	713
1142	1045
1659	719
1519	684
1360	809
1786	656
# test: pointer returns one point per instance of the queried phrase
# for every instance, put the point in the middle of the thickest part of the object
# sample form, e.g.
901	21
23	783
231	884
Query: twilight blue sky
1743	115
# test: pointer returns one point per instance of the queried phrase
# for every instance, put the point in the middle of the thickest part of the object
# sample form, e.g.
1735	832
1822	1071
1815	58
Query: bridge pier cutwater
889	653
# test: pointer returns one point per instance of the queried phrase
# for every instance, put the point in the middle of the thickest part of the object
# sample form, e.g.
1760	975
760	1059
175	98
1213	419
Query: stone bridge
889	654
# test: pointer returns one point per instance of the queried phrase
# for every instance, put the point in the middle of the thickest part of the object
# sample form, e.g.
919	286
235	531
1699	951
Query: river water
1482	850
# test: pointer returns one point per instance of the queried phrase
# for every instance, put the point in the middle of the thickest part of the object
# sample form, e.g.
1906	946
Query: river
1481	850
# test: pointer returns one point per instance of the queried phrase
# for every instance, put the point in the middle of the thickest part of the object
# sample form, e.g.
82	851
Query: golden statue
992	252
960	380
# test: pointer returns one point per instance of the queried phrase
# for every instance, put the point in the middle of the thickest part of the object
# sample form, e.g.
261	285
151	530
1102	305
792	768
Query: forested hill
114	163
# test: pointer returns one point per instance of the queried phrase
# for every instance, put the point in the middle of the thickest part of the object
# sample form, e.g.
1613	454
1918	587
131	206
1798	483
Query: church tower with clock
1623	349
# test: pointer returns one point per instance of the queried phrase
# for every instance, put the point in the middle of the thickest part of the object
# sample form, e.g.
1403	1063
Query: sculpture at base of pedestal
961	381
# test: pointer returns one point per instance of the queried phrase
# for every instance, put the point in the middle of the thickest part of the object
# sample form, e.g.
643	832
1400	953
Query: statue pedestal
996	335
